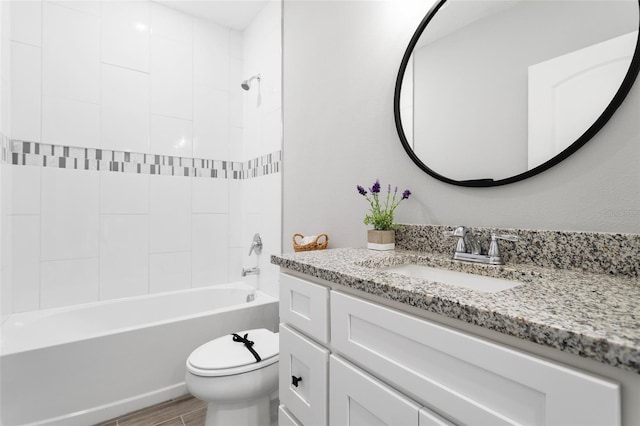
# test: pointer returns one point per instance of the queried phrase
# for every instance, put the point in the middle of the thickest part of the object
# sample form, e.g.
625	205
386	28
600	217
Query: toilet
228	377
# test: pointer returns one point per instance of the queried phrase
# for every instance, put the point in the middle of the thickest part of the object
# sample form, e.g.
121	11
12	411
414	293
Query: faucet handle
256	245
460	231
461	247
494	248
468	242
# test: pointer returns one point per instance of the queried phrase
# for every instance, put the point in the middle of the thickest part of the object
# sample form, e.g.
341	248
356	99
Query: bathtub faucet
251	271
256	245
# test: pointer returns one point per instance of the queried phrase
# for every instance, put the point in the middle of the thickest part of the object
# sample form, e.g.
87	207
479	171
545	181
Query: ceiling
235	14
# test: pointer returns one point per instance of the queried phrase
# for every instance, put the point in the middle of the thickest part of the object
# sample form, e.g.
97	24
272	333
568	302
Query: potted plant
382	236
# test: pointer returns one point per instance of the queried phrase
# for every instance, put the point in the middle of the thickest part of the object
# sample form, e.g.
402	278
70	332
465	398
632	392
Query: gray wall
340	64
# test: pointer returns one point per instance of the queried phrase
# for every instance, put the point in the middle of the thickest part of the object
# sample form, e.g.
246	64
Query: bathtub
85	364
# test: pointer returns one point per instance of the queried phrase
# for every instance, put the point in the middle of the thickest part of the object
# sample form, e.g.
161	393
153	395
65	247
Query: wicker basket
313	245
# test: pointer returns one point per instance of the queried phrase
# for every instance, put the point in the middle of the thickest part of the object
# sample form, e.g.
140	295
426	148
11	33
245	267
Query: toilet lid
224	356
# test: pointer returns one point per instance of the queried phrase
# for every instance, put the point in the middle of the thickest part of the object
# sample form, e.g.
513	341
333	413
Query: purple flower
381	209
375	189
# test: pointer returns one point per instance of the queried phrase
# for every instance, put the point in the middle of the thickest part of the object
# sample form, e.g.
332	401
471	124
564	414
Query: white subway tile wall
210	196
115	199
209	249
134	161
126	32
26	264
171	136
26	22
70	53
124	255
71	122
171	63
69	214
169	271
68	282
169	214
26	90
26	190
124	109
6	272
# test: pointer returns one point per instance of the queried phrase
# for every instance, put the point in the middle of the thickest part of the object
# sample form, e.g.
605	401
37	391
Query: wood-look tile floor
183	411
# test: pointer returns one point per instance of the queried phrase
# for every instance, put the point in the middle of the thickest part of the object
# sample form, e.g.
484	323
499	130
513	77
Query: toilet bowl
236	386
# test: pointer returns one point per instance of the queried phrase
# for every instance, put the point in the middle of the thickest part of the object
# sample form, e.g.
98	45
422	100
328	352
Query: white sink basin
459	279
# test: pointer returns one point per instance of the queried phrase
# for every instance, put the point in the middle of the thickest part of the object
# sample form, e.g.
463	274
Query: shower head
246	85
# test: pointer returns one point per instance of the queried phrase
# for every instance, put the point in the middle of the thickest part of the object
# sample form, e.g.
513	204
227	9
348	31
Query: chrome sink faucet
469	249
467	242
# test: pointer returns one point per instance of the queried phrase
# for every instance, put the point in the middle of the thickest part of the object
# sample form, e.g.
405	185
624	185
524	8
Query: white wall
340	63
109	82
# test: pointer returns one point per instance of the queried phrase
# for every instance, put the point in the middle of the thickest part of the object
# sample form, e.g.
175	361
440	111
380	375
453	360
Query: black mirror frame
608	112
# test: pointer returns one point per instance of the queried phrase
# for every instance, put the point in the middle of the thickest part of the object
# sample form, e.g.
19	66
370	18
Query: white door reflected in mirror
567	94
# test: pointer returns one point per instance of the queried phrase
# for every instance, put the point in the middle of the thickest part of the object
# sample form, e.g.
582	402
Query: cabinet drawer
305	306
357	399
285	418
306	395
429	418
466	379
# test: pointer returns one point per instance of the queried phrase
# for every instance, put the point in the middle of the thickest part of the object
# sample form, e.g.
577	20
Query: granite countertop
595	316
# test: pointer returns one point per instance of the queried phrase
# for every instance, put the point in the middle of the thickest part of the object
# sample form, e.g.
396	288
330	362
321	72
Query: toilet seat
224	357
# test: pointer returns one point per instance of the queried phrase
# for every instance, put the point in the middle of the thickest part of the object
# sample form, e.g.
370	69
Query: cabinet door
467	379
358	399
285	418
303	377
305	306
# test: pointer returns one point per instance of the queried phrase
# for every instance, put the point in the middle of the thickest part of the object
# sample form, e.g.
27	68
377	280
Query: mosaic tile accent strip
25	153
5	148
595	252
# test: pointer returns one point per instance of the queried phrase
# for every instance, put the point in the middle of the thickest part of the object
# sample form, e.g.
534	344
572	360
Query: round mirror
493	92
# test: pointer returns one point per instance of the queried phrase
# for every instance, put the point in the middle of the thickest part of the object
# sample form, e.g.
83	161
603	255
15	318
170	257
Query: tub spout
251	271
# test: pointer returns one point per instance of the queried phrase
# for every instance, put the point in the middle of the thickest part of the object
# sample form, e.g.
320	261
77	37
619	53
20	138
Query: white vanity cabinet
305	306
358	399
466	379
383	366
303	377
304	354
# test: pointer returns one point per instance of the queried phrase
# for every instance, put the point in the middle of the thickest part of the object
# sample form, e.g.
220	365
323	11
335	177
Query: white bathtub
85	364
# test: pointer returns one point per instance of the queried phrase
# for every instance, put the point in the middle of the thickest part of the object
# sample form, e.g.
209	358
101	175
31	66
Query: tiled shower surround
85	235
133	163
